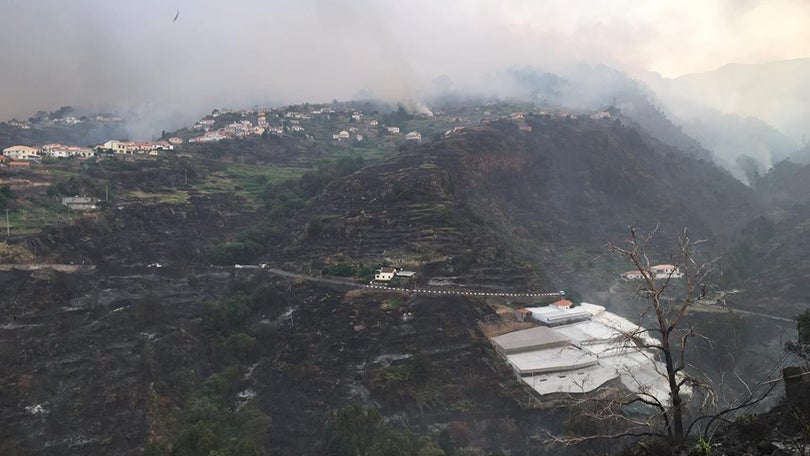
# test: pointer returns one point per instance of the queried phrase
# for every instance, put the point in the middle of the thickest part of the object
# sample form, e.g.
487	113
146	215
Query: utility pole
107	193
8	227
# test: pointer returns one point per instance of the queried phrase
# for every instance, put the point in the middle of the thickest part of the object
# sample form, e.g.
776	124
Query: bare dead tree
664	336
667	313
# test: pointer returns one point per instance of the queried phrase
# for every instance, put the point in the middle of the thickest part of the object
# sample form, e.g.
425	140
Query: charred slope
768	257
138	233
482	199
99	364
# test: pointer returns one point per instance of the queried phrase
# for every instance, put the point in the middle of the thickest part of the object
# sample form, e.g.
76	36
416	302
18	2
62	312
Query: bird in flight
176	16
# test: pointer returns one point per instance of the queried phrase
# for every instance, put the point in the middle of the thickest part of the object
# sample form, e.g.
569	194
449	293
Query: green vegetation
406	379
235	252
177	197
357	430
75	186
283	198
247	180
213	418
392	303
339	269
33	217
281	195
801	346
14	254
6	195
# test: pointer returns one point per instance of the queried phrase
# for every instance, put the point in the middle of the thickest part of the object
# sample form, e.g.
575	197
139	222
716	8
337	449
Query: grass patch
369	154
173	197
33	218
247	180
392	303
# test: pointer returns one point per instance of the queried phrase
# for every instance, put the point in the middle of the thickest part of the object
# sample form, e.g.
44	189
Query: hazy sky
127	53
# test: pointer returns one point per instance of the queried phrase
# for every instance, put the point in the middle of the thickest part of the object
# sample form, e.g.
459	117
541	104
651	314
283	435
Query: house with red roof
562	304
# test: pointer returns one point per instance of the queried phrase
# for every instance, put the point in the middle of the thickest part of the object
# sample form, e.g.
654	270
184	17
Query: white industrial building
581	349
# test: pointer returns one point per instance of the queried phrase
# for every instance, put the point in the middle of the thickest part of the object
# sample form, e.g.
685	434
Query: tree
667	314
358	430
801	346
663	330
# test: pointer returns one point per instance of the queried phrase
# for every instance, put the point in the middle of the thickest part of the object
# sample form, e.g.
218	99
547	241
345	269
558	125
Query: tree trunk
674	392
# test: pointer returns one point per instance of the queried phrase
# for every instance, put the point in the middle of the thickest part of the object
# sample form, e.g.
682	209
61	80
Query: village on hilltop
340	123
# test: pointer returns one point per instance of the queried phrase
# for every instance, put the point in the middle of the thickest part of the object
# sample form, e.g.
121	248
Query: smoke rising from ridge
131	56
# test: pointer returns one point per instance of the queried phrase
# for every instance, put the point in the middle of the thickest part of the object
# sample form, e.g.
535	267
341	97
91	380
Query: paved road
426	291
294	275
699	307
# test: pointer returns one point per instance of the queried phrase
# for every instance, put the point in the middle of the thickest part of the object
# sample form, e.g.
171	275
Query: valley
220	295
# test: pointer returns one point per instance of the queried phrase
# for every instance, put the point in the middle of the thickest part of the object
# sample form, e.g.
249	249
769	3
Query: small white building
664	271
80	203
632	275
555	316
384	274
413	136
392	130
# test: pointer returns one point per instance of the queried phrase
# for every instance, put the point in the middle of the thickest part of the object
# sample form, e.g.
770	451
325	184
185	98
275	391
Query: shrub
340	270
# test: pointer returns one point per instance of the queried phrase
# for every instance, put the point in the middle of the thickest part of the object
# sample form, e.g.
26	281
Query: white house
632	275
114	145
393	130
384	274
21	152
413	136
663	271
562	304
80	203
62	151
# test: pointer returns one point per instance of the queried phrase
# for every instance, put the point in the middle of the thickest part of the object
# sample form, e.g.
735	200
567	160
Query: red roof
562	303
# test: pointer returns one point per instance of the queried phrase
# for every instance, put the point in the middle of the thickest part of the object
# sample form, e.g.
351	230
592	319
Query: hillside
201	353
549	198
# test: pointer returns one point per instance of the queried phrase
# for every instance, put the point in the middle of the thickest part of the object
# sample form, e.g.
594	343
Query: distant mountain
775	92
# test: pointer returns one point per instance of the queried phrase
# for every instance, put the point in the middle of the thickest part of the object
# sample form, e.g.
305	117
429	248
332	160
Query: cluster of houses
23	156
238	129
579	348
130	148
659	271
291	119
